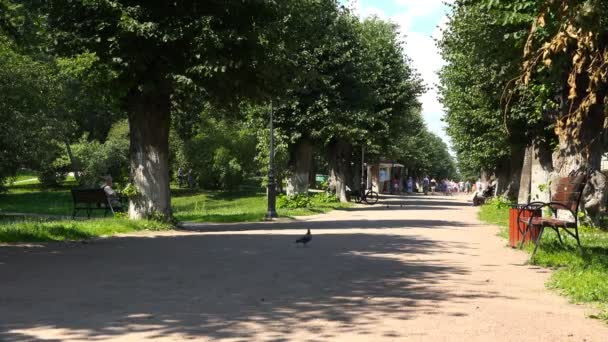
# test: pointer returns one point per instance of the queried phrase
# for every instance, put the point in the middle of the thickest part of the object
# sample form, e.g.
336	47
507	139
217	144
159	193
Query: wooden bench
92	199
567	197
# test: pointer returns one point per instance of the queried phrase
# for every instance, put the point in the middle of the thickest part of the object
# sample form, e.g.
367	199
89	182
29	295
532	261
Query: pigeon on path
305	239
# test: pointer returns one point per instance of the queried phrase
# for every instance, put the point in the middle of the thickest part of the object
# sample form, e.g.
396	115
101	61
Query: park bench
92	199
567	197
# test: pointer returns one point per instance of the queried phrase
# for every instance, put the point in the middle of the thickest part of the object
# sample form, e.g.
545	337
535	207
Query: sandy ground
425	272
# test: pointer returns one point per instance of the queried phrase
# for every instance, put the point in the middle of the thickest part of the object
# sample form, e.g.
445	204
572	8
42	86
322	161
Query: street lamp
363	180
272	192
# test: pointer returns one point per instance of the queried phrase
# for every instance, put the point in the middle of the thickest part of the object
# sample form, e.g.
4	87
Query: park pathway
427	271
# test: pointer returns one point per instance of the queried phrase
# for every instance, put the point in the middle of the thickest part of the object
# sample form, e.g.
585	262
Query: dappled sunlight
223	286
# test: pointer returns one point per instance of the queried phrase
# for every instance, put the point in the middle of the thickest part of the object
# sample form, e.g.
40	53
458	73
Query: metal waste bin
516	229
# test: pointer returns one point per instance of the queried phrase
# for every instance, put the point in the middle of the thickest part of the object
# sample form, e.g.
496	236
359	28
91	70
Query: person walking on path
410	185
180	177
425	185
190	179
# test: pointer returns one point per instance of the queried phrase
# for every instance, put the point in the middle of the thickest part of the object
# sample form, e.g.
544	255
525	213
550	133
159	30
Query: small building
379	175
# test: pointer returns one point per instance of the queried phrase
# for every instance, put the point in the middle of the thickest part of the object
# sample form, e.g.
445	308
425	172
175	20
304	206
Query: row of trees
522	74
194	83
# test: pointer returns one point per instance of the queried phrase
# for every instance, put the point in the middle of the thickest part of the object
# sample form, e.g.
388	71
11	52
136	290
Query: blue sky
419	22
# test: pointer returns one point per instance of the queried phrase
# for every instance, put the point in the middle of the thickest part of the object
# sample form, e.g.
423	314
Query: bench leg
537	242
559	236
578	240
523	235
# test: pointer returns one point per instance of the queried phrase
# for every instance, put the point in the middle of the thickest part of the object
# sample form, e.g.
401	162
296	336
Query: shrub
52	172
50	177
324	197
294	202
110	158
227	168
499	202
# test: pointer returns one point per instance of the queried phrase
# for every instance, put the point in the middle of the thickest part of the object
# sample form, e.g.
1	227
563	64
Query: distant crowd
431	185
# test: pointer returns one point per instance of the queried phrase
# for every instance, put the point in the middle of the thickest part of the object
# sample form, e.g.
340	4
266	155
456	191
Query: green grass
188	205
497	216
583	277
31	230
209	206
28	177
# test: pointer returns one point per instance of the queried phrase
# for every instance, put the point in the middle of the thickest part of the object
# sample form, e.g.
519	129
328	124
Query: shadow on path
222	286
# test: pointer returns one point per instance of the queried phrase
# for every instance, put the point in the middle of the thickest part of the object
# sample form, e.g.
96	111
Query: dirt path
424	272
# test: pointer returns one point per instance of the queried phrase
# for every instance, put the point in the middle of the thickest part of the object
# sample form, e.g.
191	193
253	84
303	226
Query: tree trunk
299	168
339	157
540	170
586	153
509	173
149	121
525	179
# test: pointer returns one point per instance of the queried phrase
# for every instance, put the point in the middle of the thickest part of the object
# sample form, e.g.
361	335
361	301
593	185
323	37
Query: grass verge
209	206
188	205
582	277
31	230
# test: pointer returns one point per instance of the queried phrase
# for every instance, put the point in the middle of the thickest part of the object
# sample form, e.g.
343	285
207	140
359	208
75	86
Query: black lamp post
363	180
272	192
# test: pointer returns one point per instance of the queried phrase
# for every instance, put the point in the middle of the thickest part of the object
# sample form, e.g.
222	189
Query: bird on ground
305	239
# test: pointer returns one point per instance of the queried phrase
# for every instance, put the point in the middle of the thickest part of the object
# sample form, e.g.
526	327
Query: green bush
50	177
227	168
51	171
294	202
95	159
499	202
324	197
221	154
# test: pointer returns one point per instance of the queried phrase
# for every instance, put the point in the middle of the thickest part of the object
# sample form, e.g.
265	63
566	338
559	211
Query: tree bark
586	153
510	172
540	170
525	179
299	168
149	121
339	162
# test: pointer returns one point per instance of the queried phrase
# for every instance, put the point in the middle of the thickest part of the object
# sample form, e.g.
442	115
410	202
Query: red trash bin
515	234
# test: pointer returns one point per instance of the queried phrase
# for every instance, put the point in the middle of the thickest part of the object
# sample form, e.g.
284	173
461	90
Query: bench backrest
569	192
89	196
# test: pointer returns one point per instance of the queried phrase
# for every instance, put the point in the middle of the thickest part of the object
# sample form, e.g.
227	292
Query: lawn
583	277
23	177
209	206
188	205
28	229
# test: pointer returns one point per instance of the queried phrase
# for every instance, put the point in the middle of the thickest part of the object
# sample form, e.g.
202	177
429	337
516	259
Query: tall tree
359	90
228	49
482	45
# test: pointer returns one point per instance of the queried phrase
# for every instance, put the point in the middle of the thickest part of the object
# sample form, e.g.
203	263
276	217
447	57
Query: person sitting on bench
113	196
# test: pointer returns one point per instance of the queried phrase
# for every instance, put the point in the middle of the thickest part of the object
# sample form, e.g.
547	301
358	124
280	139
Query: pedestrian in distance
190	179
180	177
395	185
425	185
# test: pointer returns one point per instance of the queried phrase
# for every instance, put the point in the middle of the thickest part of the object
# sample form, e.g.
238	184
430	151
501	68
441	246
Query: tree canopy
195	82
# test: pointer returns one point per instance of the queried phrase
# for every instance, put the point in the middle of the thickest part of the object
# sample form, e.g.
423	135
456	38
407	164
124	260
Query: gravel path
425	272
